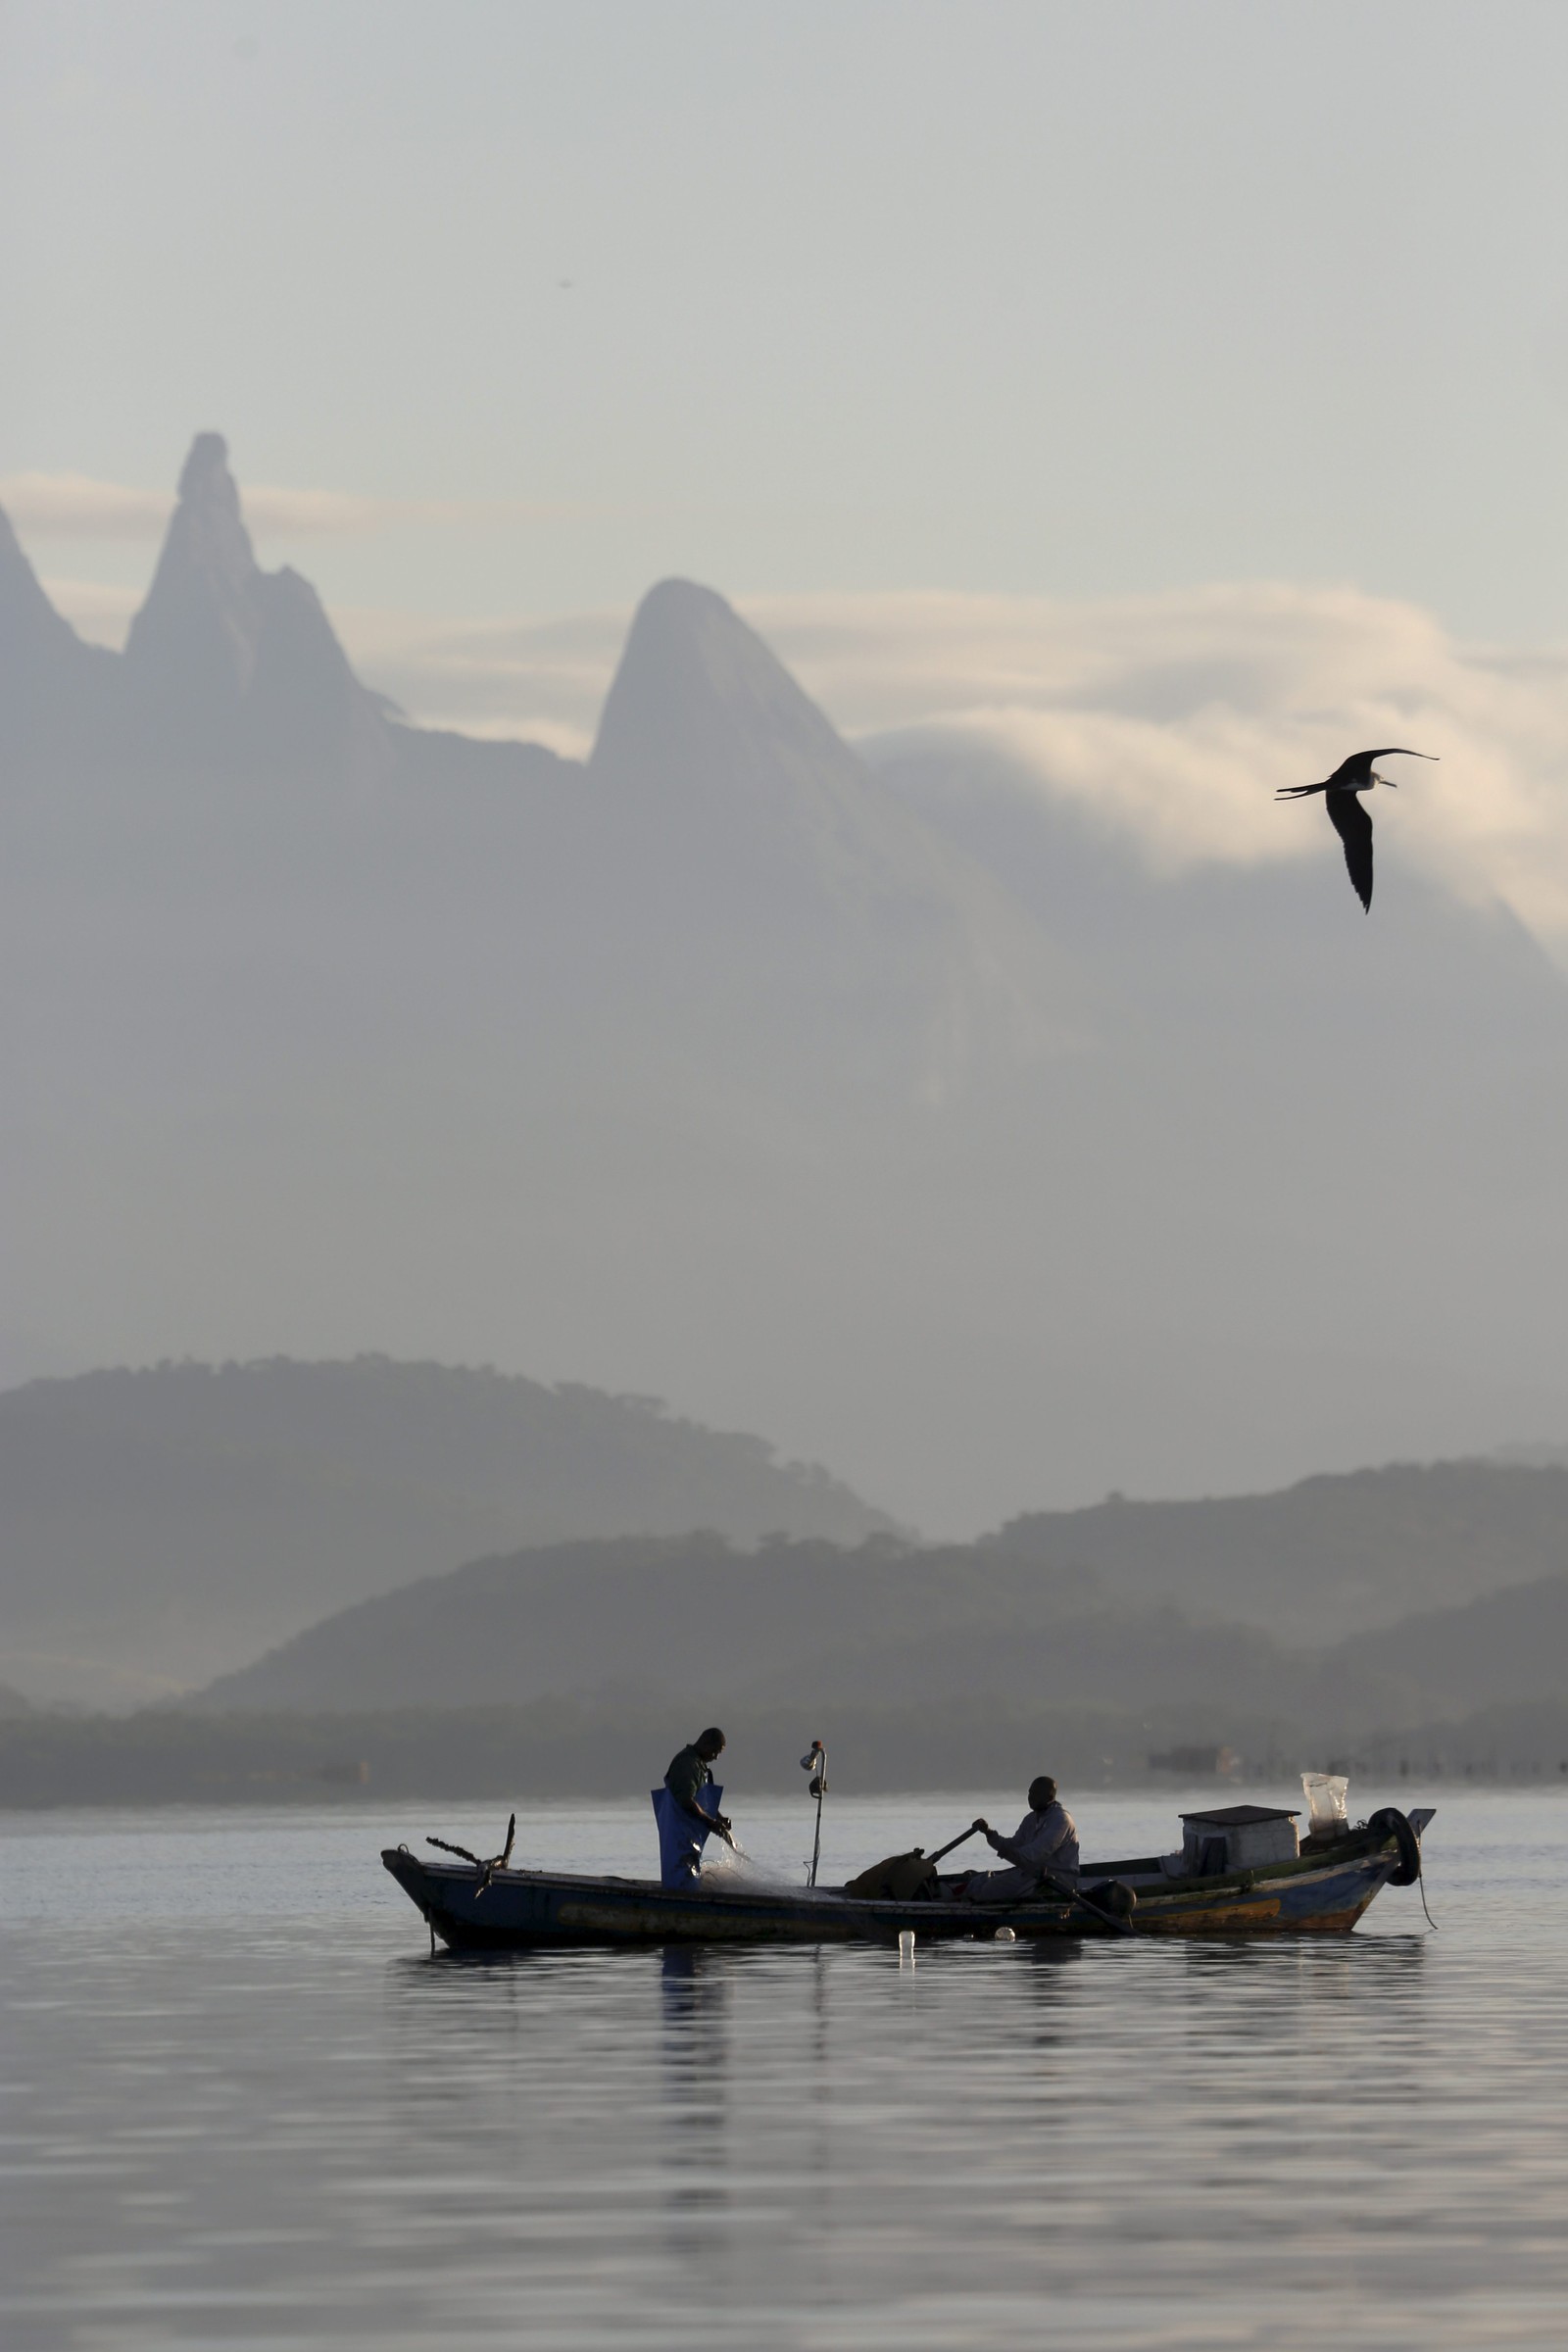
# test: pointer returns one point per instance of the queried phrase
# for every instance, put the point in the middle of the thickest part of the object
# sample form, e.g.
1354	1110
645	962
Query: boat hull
526	1909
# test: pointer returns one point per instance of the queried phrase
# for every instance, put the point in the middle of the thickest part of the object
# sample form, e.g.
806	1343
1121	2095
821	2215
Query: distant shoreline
561	1749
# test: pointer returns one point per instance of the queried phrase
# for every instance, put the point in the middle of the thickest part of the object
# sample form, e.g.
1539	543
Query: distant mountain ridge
1328	1556
721	918
803	1623
156	1526
818	1626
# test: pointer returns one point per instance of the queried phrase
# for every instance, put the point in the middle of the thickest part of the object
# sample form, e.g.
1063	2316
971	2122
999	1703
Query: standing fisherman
685	1822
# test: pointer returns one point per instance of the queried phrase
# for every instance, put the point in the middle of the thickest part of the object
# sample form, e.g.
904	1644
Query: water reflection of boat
1323	1889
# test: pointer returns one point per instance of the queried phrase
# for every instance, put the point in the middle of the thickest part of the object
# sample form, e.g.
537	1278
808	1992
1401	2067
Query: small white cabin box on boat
1237	1838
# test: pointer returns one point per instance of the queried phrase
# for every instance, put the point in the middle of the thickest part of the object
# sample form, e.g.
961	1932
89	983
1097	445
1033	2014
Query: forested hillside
158	1526
1026	1621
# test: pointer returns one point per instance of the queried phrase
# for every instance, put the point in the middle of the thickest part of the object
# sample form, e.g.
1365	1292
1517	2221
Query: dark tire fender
1115	1896
1390	1822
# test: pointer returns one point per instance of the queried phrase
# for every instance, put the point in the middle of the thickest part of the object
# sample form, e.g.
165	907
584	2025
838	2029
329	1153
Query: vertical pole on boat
815	1761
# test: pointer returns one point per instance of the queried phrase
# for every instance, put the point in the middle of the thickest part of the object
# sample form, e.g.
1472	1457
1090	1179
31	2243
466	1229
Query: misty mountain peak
697	692
197	631
227	657
735	813
205	474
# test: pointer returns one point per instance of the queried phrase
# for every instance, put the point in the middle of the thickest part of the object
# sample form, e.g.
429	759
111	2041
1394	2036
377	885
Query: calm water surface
242	2108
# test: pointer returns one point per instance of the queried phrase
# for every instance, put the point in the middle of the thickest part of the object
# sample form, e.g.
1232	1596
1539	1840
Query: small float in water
1241	1870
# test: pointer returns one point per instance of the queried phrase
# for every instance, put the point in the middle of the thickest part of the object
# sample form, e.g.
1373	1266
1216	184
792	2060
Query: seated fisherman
684	1820
1047	1839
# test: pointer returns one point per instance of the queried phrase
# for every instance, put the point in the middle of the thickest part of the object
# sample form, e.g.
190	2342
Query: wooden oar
973	1831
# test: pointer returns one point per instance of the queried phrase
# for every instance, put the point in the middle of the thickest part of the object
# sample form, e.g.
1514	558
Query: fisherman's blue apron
680	1841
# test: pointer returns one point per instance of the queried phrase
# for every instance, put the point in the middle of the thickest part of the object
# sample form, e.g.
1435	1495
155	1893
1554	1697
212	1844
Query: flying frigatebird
1350	821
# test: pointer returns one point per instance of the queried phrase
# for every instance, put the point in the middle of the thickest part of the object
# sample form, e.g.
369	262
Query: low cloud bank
1172	719
1169	719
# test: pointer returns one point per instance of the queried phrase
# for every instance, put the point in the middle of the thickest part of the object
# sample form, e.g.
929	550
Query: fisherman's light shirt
1046	1840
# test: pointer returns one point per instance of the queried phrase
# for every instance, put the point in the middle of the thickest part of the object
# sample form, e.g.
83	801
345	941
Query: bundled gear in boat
901	1879
908	1878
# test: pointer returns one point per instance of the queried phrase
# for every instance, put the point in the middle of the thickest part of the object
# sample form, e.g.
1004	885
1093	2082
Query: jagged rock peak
695	681
230	662
198	626
205	474
28	619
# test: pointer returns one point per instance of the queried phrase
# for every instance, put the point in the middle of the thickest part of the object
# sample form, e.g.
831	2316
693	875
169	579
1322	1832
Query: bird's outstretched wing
1355	773
1353	823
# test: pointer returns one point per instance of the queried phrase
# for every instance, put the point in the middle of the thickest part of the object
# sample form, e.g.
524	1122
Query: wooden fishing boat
1323	1890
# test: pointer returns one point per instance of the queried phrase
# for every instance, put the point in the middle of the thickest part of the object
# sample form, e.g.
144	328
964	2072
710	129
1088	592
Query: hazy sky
1073	300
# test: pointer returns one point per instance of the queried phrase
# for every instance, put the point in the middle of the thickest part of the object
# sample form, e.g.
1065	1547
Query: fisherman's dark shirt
688	1772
